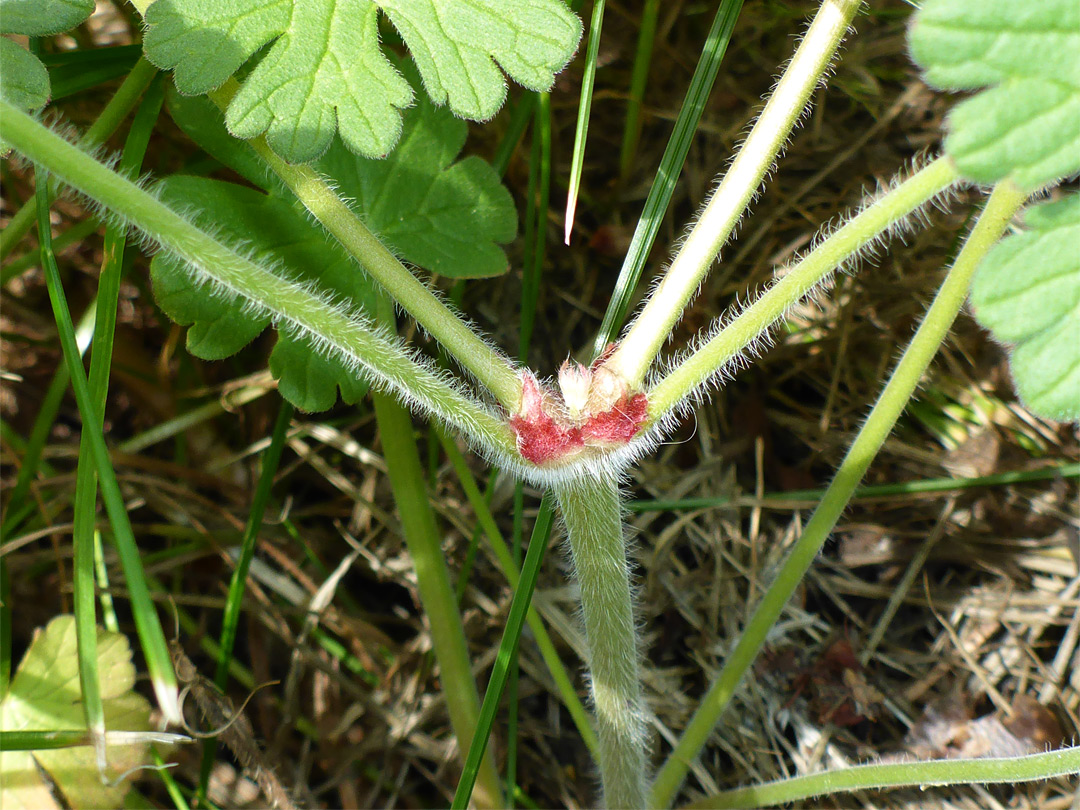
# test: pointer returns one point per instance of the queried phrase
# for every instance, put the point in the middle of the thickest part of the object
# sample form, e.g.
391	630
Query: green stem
1003	203
639	347
590	508
105	125
433	581
490	367
756	319
351	339
1007	770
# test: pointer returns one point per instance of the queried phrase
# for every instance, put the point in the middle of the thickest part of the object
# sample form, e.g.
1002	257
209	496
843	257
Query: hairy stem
488	366
127	95
348	337
650	329
875	776
1003	203
756	319
590	507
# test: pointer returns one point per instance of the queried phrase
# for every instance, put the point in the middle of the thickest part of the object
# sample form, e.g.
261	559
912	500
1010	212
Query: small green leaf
276	232
45	695
40	18
1027	292
1027	125
24	81
326	72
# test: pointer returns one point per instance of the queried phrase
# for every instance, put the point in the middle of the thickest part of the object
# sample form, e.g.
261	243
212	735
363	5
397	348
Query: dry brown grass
963	602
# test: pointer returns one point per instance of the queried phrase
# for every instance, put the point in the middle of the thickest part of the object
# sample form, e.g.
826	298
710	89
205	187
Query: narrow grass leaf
639	78
424	542
84	529
230	621
147	621
536	217
581	131
511	636
486	522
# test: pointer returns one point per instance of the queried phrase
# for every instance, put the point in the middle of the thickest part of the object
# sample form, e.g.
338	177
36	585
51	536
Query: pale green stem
650	329
756	319
106	124
350	338
490	367
1000	208
590	508
1007	770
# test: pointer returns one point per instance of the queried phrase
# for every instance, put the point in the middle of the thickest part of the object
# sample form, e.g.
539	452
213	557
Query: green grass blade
801	497
519	121
106	124
72	72
639	78
85	512
18	507
230	621
271	461
939	772
5	627
73	235
147	621
52	739
652	215
581	131
424	543
511	635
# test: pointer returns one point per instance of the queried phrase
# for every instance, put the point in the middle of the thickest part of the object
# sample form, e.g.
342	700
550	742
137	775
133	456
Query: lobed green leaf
24	81
1026	126
324	71
1027	292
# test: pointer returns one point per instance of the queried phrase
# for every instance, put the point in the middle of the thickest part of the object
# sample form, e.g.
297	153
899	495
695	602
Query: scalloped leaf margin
1027	292
324	71
1025	126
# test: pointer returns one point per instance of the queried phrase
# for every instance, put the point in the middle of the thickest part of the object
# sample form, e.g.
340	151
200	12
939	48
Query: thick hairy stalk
590	508
338	332
727	203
